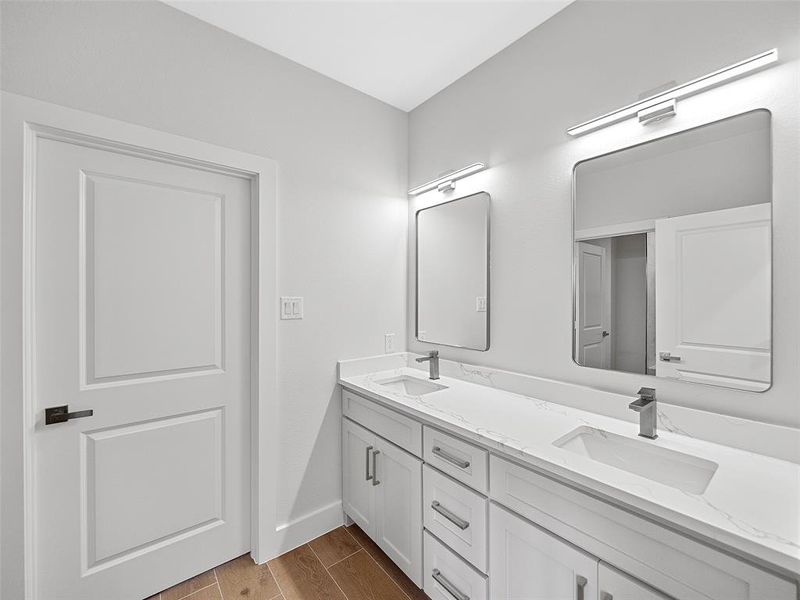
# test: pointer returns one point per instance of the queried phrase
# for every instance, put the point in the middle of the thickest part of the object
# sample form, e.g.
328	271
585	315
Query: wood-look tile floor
343	564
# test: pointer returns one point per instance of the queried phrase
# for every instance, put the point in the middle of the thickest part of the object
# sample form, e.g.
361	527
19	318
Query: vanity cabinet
382	493
528	562
535	536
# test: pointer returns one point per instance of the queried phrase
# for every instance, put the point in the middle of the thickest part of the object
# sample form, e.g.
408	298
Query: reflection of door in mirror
594	293
673	256
713	293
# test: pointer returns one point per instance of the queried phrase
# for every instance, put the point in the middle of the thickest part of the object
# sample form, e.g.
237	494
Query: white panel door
592	306
398	507
141	312
615	585
358	496
713	293
527	563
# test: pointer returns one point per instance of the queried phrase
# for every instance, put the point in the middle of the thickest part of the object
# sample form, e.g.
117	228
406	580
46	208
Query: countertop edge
760	556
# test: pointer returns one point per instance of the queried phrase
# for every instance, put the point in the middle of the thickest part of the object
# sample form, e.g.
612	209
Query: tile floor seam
221	595
271	572
385	572
341	559
205	587
392	579
336	583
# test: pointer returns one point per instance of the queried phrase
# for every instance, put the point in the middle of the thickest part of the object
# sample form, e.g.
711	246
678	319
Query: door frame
40	120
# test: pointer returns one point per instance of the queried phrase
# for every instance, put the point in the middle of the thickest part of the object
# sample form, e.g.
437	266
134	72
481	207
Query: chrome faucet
433	358
645	405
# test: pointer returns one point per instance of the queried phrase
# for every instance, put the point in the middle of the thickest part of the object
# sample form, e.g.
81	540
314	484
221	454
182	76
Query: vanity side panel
660	557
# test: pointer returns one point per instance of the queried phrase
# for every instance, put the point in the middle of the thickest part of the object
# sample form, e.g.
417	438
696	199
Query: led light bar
448	178
734	71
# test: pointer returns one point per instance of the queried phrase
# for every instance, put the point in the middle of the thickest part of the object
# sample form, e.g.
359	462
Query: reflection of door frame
28	121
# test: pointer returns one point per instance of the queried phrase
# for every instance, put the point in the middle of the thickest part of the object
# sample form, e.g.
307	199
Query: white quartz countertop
751	505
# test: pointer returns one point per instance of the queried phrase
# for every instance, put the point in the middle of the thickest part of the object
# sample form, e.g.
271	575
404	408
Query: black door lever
61	414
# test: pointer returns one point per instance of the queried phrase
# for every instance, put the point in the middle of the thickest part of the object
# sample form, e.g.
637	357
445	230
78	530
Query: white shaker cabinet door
398	507
358	496
527	563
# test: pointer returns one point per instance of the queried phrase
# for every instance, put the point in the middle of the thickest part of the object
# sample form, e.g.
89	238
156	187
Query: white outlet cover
480	304
388	343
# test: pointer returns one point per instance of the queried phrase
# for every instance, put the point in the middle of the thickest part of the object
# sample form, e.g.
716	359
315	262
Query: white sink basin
410	386
675	469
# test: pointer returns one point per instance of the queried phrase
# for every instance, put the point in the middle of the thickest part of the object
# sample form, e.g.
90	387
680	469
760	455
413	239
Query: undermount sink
410	386
675	469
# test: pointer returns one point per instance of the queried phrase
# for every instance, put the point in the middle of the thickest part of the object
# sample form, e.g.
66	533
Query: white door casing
713	293
592	306
109	363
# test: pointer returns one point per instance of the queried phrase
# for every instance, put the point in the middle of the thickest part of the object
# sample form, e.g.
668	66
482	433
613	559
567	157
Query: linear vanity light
447	182
644	108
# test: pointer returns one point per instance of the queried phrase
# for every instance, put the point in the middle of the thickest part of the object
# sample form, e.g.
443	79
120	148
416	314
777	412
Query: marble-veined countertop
751	505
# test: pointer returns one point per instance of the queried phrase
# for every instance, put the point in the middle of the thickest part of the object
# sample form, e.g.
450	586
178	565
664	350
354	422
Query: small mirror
453	273
673	256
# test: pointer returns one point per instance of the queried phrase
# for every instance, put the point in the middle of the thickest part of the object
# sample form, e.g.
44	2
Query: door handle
452	517
580	586
606	334
375	468
366	463
61	414
668	357
461	464
451	589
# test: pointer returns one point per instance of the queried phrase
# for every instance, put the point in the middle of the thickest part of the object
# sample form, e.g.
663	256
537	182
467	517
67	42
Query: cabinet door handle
451	589
461	464
453	518
606	596
375	468
366	463
580	584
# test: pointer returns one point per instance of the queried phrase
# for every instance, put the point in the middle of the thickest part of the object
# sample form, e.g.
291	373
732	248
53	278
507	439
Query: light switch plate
291	307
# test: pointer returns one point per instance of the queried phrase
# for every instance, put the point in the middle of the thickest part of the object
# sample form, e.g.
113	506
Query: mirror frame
488	272
574	199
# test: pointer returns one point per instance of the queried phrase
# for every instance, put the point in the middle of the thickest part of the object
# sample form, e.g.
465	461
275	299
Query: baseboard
309	526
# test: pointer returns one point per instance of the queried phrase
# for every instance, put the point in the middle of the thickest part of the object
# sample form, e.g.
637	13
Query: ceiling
399	51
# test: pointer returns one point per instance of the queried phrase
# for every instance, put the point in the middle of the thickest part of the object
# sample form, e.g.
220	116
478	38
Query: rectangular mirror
673	256
453	273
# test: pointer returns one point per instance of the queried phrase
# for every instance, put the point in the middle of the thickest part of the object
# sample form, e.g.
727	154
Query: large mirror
453	273
673	256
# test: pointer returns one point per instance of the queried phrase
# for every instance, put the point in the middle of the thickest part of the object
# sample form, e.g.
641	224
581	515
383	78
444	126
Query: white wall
629	303
341	201
681	175
512	112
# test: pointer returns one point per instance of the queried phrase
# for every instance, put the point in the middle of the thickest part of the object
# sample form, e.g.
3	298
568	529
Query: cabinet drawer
390	425
615	585
447	577
456	515
660	557
457	458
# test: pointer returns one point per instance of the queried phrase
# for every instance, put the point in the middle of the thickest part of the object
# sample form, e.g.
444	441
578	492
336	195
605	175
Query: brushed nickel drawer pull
461	464
375	468
451	589
580	582
366	463
454	519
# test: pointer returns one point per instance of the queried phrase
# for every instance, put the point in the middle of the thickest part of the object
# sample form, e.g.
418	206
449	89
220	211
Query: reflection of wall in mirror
452	259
